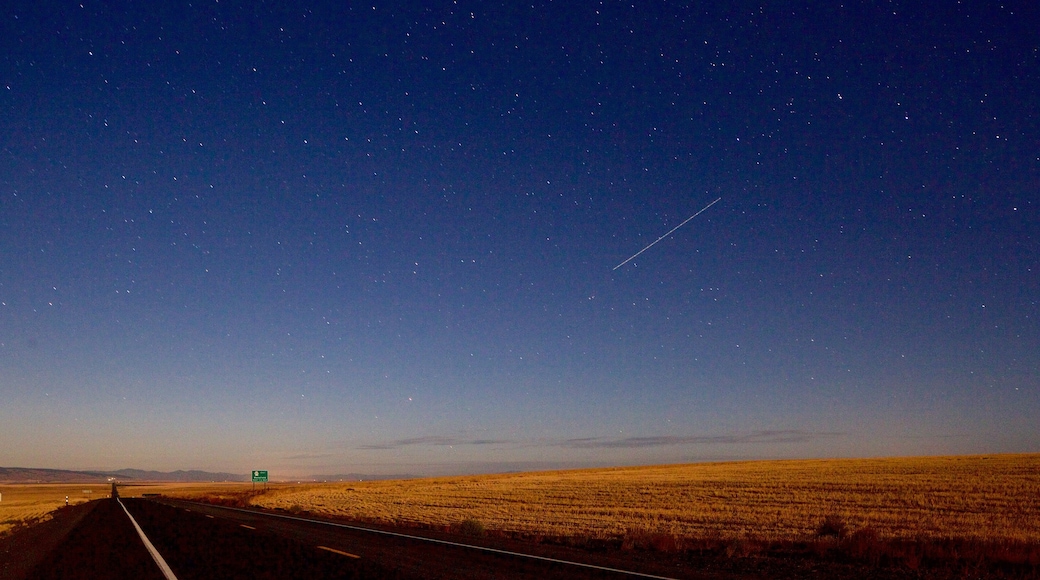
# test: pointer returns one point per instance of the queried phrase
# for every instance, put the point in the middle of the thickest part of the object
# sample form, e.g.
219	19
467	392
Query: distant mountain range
180	475
39	475
36	475
358	477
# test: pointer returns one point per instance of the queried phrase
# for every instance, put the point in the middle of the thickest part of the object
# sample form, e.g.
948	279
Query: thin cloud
300	456
754	437
788	436
432	441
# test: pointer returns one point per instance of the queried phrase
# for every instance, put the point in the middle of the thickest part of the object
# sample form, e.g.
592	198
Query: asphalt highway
106	545
103	545
198	541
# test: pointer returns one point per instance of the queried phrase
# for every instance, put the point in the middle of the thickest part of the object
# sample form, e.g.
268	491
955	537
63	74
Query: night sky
338	237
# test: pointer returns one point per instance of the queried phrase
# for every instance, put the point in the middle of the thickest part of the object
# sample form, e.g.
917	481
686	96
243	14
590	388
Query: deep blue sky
348	237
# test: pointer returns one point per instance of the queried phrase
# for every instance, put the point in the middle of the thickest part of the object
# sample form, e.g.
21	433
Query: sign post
259	476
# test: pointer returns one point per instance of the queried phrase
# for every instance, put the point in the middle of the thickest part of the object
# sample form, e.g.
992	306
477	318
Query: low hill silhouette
43	475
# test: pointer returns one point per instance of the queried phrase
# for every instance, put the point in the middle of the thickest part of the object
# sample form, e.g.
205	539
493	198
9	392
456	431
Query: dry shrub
958	557
644	539
470	527
912	559
665	542
635	538
832	526
236	499
742	548
864	544
708	544
574	541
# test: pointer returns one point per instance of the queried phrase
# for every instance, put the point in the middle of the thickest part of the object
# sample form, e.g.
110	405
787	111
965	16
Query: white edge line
163	566
445	542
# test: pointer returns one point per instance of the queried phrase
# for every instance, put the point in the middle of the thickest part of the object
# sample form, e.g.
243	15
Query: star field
379	238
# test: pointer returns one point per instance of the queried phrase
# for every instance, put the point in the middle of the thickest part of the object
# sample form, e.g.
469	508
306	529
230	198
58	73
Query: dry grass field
988	498
181	489
22	504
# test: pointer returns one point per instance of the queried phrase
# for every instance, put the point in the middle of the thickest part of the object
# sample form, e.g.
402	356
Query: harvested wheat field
982	497
139	489
25	504
29	503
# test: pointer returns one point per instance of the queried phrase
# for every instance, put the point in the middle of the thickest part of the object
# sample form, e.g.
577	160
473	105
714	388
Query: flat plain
988	498
27	503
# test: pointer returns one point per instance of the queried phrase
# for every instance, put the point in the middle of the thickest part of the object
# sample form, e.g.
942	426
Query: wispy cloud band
786	436
754	437
434	441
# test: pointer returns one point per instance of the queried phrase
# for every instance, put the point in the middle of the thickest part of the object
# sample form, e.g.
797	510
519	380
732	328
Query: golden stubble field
981	497
27	503
32	502
994	497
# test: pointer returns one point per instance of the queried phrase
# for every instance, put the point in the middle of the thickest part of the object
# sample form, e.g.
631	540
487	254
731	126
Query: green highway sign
259	476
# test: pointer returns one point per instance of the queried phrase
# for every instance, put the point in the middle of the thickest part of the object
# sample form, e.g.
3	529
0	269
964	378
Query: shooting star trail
632	257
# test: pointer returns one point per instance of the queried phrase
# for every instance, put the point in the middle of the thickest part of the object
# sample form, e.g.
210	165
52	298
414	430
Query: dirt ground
26	547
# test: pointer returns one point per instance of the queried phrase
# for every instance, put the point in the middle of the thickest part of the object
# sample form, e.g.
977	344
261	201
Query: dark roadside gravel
22	550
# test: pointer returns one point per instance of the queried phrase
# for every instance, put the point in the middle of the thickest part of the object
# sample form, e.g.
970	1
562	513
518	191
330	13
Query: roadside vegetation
25	504
976	515
908	512
991	497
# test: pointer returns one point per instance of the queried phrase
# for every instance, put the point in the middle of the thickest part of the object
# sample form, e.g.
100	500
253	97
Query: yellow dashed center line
247	527
340	552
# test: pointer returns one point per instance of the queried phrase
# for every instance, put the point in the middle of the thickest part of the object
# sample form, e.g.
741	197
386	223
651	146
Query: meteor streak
666	235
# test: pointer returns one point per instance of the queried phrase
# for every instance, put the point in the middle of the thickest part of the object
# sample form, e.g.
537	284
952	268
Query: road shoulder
24	549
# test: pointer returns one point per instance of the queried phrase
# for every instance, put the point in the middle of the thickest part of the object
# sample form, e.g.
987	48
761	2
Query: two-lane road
198	541
106	545
103	545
